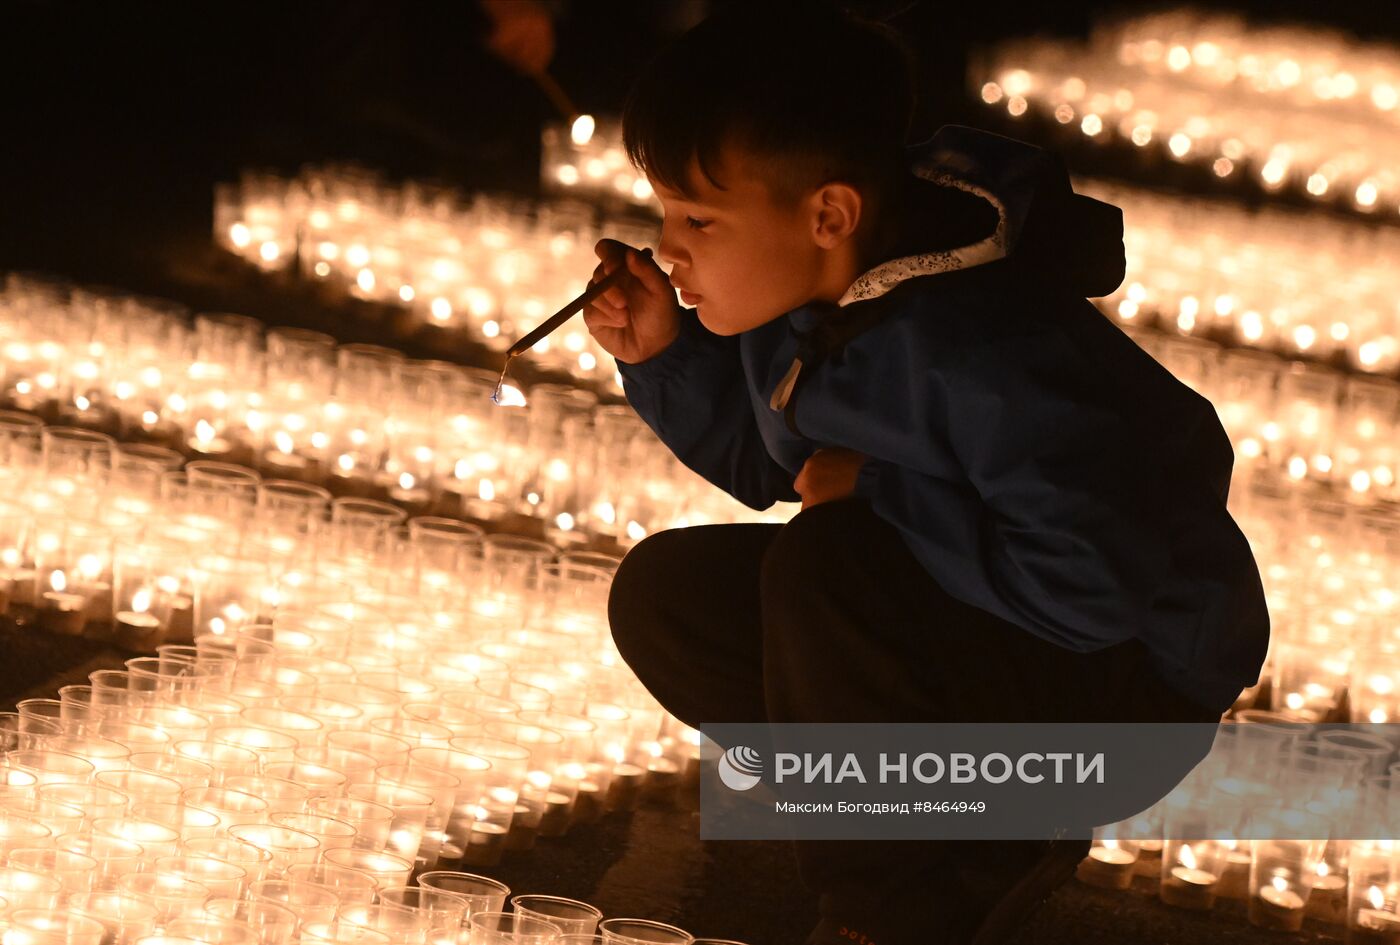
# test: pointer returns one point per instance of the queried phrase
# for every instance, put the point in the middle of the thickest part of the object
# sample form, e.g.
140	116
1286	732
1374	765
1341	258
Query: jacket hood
1017	203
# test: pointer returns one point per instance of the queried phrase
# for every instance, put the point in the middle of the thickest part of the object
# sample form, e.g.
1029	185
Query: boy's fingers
604	304
603	318
610	249
609	310
648	272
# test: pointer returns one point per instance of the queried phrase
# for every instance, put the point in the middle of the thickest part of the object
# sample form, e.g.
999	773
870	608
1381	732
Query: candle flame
1280	883
1376	897
141	601
511	396
582	130
204	431
486	490
1187	857
90	566
283	441
1322	868
58	581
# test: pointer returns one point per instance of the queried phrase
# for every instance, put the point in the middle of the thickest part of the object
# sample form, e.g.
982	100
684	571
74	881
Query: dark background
119	118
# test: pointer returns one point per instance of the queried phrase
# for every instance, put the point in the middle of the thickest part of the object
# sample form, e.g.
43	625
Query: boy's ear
837	209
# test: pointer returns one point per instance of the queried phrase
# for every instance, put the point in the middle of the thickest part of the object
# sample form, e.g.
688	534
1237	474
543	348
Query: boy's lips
689	298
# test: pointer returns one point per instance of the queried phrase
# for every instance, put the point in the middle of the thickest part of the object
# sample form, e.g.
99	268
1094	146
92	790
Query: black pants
830	618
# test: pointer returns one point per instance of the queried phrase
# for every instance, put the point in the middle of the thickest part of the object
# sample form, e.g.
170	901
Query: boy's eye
695	224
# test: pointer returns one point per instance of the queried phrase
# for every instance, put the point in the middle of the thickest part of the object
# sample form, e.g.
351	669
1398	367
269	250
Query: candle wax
1188	888
62	613
1328	901
1107	868
1280	910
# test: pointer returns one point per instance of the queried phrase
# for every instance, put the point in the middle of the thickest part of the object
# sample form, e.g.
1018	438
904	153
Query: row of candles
86	536
338	700
487	267
1299	284
1309	67
1275	819
106	539
360	419
1283	105
1294	813
1266	279
364	420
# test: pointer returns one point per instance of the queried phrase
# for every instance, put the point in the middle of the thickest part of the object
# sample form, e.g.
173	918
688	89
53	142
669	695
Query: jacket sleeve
694	396
1075	521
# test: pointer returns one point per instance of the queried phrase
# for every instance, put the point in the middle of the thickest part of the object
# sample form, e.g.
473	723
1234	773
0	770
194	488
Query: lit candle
486	841
16	581
1277	907
1234	881
625	792
1376	925
206	440
1187	887
138	628
1328	900
60	610
1108	866
556	814
283	461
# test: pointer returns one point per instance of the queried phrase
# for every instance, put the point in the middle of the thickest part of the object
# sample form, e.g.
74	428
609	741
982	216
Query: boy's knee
810	547
638	592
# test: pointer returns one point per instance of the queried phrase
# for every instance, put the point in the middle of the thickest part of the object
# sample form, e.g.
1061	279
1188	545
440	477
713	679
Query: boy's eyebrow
672	196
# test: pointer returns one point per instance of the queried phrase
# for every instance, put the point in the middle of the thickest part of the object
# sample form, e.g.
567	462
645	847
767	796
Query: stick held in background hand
559	318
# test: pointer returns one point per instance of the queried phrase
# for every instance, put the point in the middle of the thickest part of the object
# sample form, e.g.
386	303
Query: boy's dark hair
821	93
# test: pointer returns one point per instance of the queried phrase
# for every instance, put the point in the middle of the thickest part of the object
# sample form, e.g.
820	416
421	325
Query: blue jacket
1036	461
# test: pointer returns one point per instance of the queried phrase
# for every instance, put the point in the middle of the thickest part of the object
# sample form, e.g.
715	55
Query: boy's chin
718	322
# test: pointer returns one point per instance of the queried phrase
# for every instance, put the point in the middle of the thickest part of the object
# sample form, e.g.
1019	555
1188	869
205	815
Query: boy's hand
829	473
638	318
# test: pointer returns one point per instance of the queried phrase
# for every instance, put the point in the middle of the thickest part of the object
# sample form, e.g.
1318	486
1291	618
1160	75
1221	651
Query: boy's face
741	256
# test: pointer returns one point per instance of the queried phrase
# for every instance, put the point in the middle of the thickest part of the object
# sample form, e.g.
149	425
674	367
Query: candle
138	628
663	775
1107	867
588	806
1277	908
1375	927
1328	900
1189	888
524	828
1149	861
556	815
1234	882
61	611
485	843
16	581
207	441
626	789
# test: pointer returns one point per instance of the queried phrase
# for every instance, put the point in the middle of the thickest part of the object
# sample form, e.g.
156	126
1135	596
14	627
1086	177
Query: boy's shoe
988	908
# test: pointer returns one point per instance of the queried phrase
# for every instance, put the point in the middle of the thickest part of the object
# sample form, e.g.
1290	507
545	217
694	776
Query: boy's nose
667	251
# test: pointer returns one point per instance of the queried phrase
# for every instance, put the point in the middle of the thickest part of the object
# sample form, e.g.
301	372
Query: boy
1009	511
